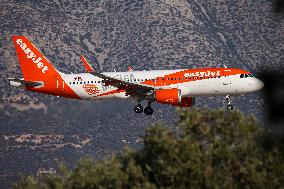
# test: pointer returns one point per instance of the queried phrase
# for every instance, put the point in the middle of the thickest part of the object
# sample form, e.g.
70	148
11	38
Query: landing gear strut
148	110
229	105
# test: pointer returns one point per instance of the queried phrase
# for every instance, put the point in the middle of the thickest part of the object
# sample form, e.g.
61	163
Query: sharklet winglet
130	69
88	67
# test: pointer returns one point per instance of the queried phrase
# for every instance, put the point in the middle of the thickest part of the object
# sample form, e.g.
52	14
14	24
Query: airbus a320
177	87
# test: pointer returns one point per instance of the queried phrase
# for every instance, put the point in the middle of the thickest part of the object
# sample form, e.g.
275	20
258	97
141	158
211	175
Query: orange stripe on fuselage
187	76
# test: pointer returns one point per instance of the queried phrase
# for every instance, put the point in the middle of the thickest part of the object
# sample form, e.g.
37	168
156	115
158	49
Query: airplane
177	87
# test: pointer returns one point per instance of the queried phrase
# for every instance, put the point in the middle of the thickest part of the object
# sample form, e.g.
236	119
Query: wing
131	88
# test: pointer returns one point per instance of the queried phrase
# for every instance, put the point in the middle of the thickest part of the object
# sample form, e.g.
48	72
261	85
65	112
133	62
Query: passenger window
74	82
80	82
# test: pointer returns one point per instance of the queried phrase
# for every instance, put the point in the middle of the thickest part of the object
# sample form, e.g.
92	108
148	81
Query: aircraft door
60	86
222	83
226	80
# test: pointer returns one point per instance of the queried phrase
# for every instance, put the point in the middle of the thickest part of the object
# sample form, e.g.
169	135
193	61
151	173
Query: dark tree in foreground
207	149
278	5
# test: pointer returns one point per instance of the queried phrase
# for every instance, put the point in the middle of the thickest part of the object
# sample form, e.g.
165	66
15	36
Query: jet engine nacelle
168	96
173	97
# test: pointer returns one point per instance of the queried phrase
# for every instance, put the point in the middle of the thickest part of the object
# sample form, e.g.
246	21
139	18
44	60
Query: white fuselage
223	85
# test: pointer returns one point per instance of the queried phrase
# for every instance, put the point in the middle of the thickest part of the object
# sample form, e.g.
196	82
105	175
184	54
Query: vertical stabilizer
34	65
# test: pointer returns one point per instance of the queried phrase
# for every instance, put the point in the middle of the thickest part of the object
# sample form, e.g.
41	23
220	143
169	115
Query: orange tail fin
34	65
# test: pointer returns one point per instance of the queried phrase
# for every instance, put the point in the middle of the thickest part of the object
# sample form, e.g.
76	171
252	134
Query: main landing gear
148	110
138	108
229	105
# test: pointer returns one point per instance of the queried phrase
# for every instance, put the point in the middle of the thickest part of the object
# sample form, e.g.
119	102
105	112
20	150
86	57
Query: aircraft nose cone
257	84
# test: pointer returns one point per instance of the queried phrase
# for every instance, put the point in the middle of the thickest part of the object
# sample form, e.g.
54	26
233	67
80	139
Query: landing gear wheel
138	108
148	110
230	107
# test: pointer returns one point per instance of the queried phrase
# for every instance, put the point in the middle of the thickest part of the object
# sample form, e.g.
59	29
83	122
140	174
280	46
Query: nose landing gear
229	105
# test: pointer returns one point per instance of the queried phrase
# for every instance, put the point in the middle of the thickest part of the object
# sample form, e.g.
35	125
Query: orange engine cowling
168	96
173	97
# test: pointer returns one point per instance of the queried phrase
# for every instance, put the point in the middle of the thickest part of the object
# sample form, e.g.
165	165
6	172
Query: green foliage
207	149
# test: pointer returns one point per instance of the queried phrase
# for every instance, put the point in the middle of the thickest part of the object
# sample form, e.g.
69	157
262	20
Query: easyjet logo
31	55
202	74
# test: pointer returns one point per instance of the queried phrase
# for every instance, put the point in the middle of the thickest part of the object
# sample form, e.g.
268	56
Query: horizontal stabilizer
22	83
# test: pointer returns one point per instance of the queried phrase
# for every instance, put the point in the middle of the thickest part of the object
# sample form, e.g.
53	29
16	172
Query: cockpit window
242	76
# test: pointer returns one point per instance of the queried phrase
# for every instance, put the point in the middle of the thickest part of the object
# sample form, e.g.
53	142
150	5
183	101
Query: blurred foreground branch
207	149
